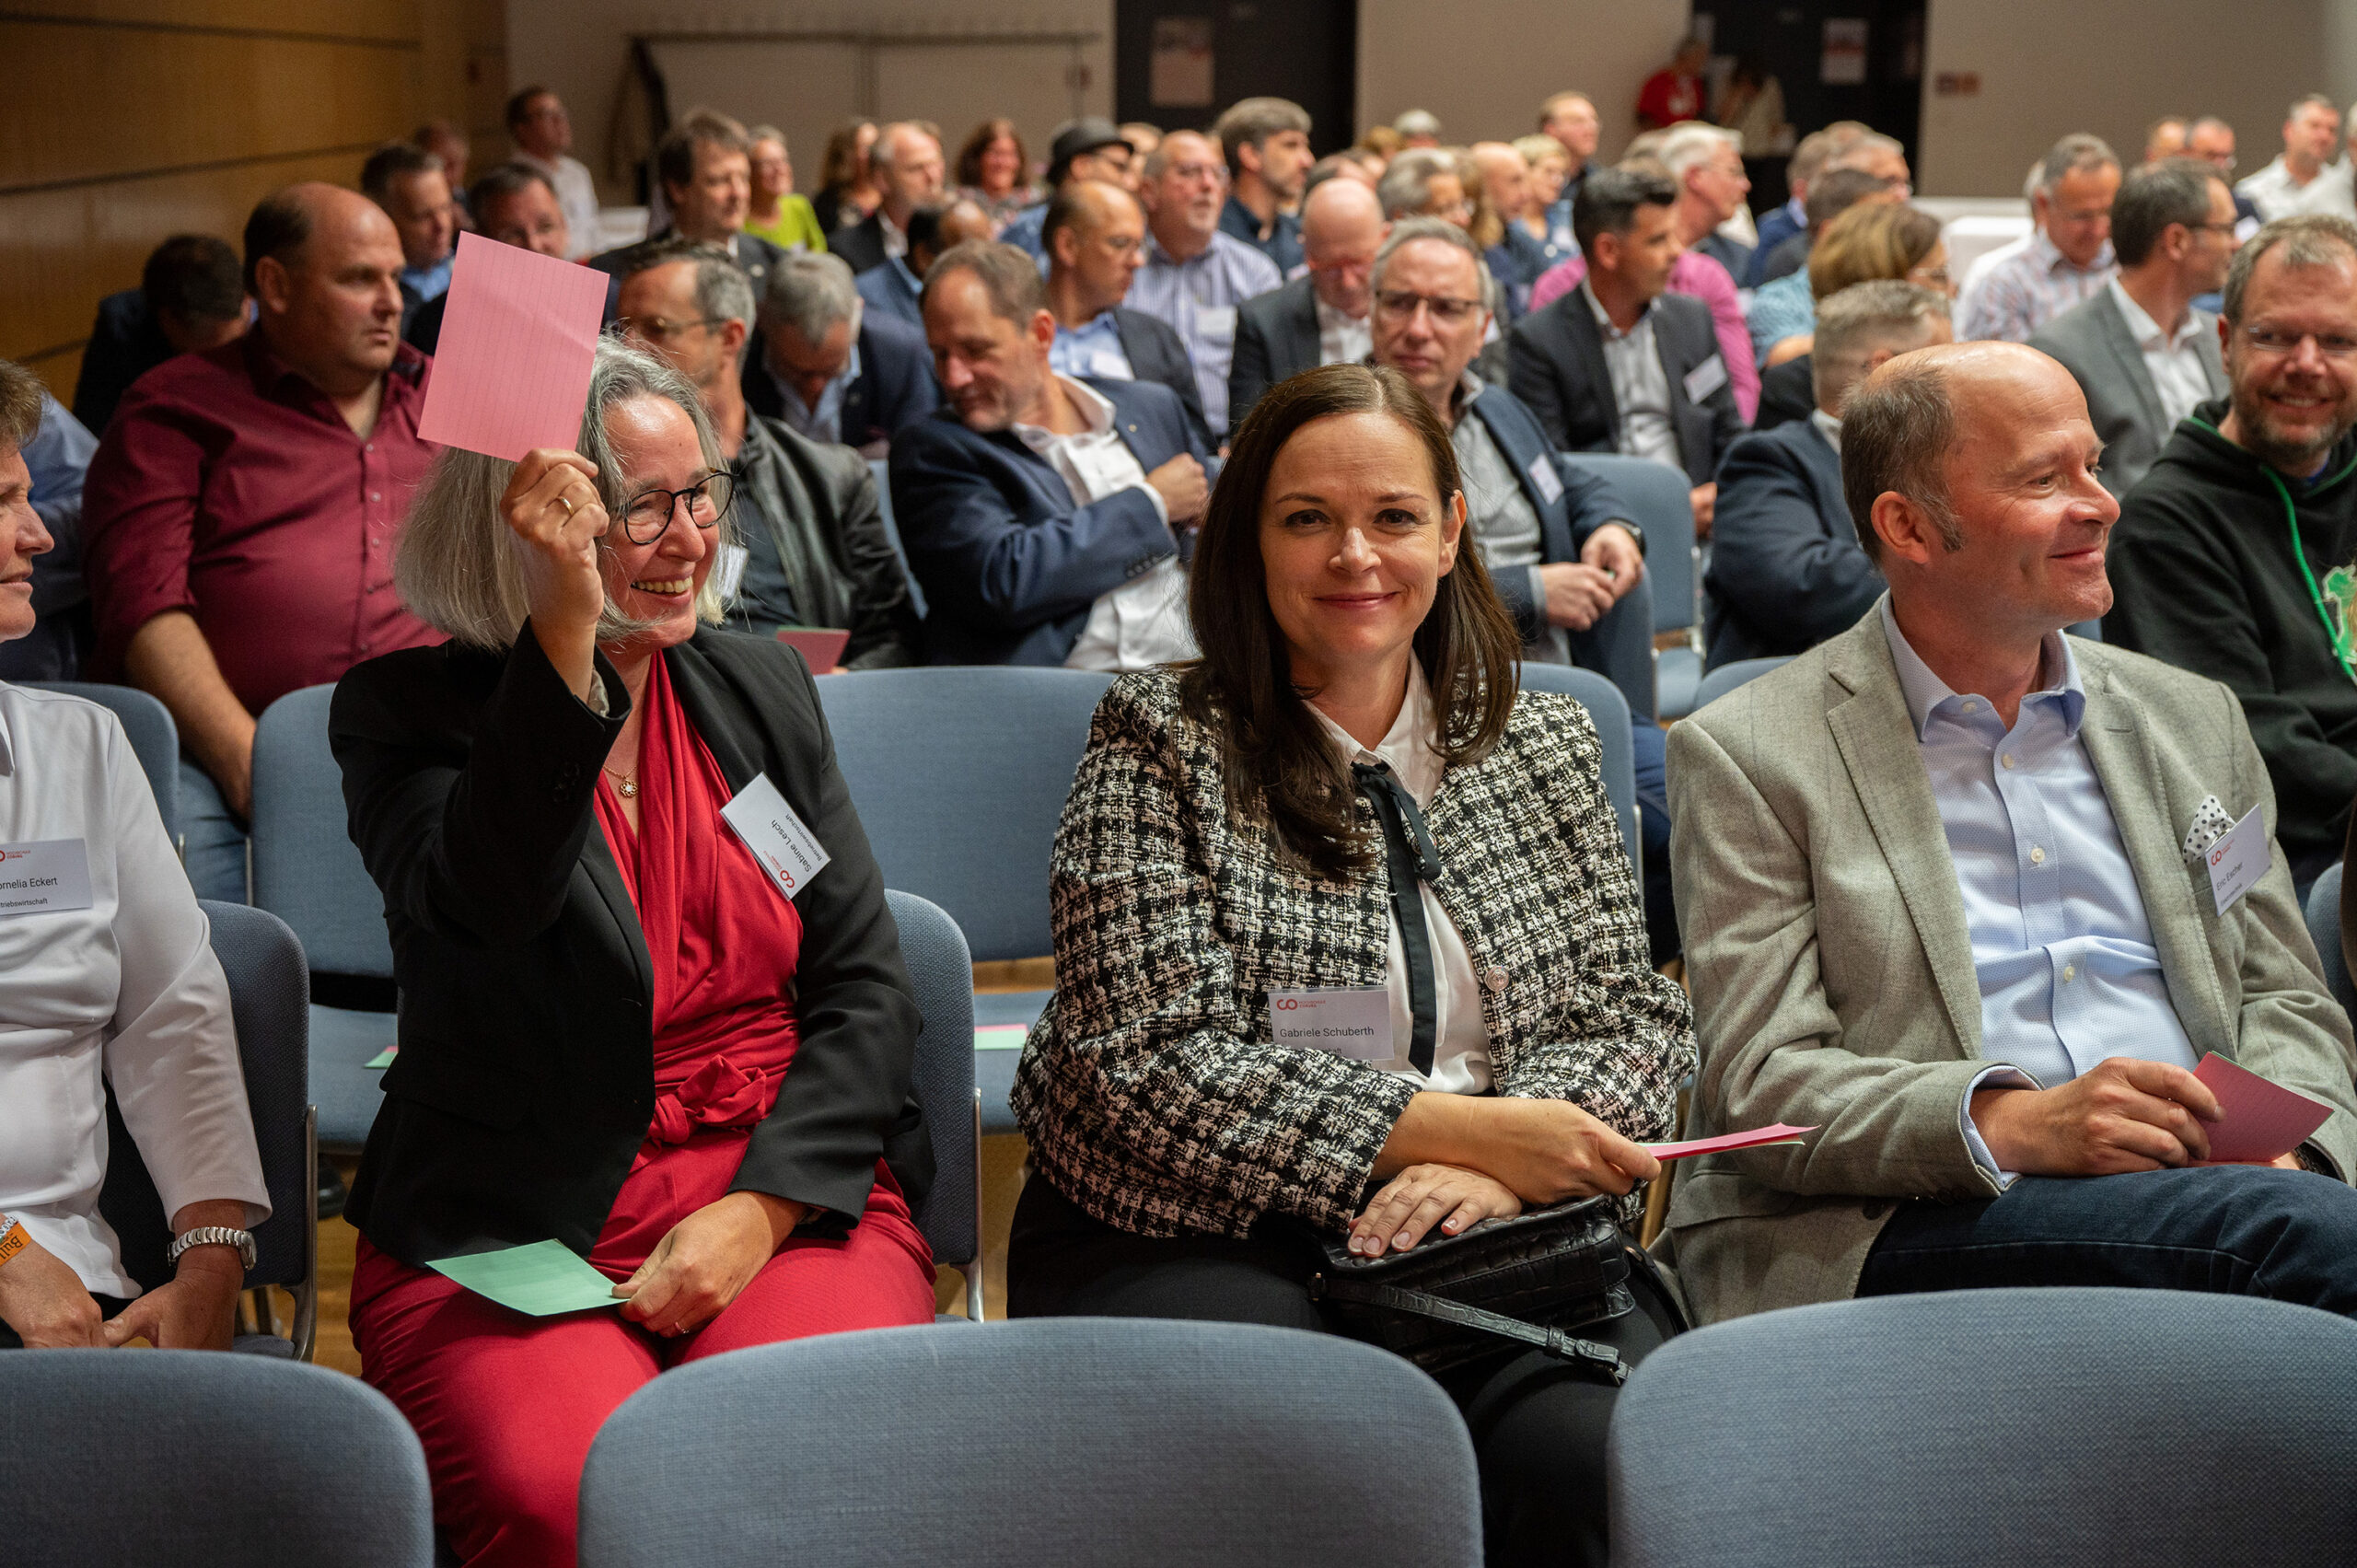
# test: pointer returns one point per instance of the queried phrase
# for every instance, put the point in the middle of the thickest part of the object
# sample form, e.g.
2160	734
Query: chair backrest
892	530
203	1460
935	952
305	870
1661	498
269	1005
1608	710
1076	1441
154	738
960	773
1883	1431
2324	929
1727	677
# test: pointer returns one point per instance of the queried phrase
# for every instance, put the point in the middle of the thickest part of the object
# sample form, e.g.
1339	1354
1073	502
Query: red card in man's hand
2263	1120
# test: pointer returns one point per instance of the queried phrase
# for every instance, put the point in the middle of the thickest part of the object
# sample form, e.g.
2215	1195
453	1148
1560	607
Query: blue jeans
217	839
2239	1230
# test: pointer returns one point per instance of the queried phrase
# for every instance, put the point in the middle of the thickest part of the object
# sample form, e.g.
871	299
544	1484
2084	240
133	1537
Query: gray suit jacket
2091	339
1832	971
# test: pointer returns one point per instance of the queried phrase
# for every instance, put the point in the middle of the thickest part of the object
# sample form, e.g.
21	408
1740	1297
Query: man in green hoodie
2236	555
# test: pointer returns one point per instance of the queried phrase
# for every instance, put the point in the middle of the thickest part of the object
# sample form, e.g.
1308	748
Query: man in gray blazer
2138	350
1944	898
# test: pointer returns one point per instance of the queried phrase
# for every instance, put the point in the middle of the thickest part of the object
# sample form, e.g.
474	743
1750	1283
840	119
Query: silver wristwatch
213	1235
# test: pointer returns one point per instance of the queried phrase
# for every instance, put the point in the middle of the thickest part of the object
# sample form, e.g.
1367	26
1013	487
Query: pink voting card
820	648
2263	1120
1756	1138
512	371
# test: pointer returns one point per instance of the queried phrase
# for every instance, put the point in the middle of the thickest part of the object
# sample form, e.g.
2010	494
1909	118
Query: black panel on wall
1788	37
1304	50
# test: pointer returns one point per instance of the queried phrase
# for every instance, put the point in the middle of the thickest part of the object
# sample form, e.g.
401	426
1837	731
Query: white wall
2112	67
580	48
1484	65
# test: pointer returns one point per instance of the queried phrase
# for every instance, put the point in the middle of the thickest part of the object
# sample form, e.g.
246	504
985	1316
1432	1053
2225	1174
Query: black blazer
1156	354
1276	339
125	344
526	1076
1786	569
862	244
1557	366
895	389
1787	392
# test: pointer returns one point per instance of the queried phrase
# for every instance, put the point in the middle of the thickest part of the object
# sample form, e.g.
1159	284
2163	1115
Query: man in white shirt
2305	179
543	133
1046	519
106	977
1321	317
2140	351
2068	259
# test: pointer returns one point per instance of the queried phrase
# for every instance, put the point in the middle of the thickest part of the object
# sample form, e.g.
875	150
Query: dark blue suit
1010	567
895	389
886	289
1775	227
1786	570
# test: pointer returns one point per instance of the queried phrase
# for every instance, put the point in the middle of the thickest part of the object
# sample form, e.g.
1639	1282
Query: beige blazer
1832	973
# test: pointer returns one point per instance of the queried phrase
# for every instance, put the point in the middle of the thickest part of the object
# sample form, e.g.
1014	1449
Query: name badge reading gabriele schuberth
1353	1022
786	849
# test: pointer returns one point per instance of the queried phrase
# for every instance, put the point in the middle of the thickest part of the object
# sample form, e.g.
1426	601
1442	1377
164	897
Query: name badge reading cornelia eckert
787	849
1353	1022
46	876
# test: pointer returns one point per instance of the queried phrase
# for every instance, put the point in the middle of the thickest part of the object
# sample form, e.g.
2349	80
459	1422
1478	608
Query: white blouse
1460	1035
126	991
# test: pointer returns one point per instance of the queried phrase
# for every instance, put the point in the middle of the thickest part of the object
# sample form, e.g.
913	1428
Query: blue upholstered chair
1080	1442
1659	495
950	1215
1727	677
2324	929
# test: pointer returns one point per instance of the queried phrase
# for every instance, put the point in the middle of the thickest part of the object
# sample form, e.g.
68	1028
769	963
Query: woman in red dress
618	1030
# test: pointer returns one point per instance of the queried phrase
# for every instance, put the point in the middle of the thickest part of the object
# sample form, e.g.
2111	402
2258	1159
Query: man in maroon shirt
241	513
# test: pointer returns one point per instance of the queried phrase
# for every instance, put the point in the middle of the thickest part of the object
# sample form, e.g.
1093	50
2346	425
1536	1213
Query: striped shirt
2022	293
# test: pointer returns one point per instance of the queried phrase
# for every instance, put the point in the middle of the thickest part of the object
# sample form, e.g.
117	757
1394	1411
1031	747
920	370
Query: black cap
1078	136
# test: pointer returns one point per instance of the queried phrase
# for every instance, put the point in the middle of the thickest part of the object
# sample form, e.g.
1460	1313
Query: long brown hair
969	157
1279	766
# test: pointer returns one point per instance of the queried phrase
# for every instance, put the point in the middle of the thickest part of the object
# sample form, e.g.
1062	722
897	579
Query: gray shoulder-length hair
458	565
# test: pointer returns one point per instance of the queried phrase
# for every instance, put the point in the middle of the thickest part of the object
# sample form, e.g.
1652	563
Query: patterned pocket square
2210	819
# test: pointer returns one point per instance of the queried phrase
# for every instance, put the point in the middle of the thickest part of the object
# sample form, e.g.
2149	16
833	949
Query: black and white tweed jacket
1149	1089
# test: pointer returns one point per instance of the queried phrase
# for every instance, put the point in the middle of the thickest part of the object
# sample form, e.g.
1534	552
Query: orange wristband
12	1241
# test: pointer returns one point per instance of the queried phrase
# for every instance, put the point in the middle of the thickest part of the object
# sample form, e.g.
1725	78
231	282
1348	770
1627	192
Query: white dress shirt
1341	340
577	194
2276	195
1460	1037
126	991
2173	363
1828	428
1142	623
1640	385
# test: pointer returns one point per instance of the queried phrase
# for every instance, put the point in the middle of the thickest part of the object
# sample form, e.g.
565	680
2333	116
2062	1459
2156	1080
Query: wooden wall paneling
195	99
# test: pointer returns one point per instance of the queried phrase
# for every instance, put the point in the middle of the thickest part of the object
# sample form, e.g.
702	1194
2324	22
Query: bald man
239	515
1094	236
1947	899
1320	318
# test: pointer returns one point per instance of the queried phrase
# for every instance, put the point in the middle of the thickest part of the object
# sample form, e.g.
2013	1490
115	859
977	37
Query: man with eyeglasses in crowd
2212	140
809	522
1320	318
2141	351
2234	555
1095	239
2069	258
1195	276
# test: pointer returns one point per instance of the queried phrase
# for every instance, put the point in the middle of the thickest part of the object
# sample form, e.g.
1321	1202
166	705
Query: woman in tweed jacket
1218	846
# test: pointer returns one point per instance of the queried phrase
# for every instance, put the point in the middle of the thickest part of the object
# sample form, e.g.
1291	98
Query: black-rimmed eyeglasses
649	512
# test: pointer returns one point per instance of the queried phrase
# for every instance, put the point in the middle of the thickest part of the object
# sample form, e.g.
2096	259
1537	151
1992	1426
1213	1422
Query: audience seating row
1866	1432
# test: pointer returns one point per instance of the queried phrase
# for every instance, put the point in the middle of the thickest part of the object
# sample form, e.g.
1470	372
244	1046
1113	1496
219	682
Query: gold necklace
625	785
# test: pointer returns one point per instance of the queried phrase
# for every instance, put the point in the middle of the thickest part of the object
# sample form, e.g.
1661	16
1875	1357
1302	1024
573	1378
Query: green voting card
542	1279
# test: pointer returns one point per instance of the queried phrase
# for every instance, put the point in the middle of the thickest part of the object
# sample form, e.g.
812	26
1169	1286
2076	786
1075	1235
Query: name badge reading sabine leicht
786	849
46	876
1353	1022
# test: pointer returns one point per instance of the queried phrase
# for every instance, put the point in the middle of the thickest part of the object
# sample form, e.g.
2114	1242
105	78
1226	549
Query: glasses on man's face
1446	311
707	501
2277	339
662	328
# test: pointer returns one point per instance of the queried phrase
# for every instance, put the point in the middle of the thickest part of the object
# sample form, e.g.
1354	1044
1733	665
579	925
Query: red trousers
506	1404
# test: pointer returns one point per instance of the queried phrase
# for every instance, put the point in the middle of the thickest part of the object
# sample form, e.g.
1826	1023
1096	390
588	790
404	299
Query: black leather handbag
1535	1277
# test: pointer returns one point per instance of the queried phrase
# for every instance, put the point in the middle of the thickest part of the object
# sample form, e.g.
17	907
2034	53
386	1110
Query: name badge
1353	1022
1705	378
1542	474
46	876
2238	859
728	572
1216	322
786	849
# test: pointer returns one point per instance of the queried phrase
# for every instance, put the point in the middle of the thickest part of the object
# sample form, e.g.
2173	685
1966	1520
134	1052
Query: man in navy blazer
1786	569
1618	364
1046	518
830	368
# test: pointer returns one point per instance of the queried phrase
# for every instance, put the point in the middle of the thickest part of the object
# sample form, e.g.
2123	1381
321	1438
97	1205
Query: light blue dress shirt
824	423
1093	351
2068	970
429	283
1780	308
1198	296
